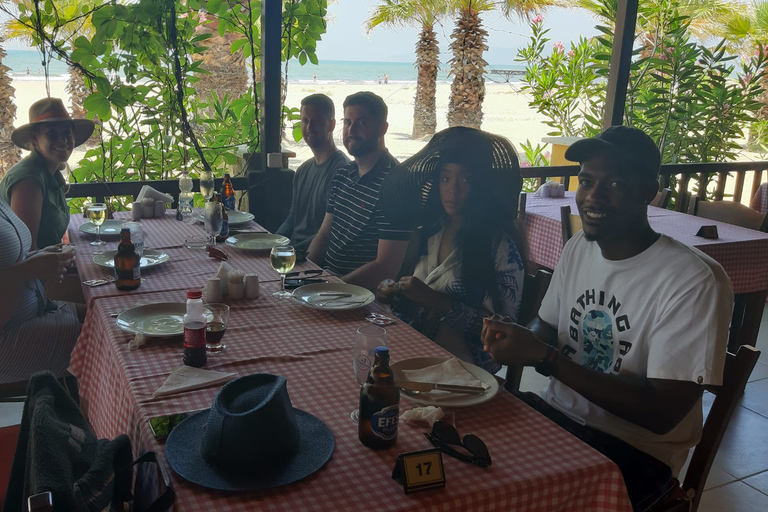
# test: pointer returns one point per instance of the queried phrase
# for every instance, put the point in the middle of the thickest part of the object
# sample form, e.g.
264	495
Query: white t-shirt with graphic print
663	314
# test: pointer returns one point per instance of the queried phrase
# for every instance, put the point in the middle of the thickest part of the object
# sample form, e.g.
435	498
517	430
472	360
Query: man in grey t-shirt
312	182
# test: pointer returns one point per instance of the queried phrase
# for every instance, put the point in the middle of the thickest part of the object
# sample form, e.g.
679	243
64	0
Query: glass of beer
214	330
282	258
97	214
368	337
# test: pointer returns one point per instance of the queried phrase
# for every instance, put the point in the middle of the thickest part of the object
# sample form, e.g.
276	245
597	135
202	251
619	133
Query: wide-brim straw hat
251	438
410	196
50	110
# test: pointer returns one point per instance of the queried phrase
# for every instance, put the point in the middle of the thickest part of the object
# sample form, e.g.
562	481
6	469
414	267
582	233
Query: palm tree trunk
427	64
465	107
77	94
9	154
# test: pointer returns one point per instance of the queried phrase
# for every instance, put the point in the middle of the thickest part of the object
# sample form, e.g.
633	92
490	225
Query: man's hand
387	291
509	343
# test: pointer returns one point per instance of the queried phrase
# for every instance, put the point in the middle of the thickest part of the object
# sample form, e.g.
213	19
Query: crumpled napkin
428	415
137	341
187	378
447	372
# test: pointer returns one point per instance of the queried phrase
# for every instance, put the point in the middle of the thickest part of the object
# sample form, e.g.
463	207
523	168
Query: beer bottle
379	404
127	263
228	193
224	233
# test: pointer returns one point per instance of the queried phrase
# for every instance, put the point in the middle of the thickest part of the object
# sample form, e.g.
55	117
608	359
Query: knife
426	387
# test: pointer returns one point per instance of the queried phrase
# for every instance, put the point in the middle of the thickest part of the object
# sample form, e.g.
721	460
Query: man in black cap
633	325
355	241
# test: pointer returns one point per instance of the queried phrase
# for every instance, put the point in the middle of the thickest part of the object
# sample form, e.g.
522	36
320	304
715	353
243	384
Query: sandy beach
506	112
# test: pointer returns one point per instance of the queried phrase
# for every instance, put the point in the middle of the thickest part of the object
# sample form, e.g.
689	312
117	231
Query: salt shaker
148	208
159	209
213	290
236	285
252	286
137	210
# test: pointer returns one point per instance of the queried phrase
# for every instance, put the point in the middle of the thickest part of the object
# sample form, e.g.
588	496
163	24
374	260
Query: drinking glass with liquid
97	214
282	258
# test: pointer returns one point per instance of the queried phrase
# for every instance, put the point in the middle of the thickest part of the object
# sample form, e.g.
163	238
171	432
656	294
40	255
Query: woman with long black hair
464	262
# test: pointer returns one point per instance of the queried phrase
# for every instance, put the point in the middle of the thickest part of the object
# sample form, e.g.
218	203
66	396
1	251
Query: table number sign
419	470
709	232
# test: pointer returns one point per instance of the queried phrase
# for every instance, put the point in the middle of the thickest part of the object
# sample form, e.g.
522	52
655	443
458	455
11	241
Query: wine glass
214	330
213	220
97	214
206	184
282	258
368	337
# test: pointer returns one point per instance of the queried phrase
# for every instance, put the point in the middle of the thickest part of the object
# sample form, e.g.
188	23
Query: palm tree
465	107
422	14
9	153
226	71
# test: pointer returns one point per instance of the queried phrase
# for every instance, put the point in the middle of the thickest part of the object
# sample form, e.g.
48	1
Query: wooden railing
730	178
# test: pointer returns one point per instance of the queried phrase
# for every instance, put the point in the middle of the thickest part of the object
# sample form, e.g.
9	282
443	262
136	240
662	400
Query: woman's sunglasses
444	436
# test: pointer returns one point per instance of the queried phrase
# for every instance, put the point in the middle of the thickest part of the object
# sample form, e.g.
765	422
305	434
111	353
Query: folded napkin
447	372
187	378
428	415
154	194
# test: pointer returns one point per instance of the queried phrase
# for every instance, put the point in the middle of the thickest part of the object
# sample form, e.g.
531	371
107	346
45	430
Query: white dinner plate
151	258
332	296
157	320
236	217
442	399
256	241
111	227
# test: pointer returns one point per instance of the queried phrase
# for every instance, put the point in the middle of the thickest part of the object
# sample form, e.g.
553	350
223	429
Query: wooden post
621	59
271	27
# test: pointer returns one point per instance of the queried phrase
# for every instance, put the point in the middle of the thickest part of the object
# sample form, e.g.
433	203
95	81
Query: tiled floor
738	481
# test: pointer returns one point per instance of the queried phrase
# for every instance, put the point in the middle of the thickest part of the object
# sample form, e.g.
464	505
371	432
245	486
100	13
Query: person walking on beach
27	71
378	78
355	241
386	78
312	182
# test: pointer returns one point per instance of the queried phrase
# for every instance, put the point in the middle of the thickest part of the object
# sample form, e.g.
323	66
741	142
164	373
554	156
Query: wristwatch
546	365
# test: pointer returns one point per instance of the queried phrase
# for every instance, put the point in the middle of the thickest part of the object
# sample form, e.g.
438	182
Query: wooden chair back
738	368
571	223
662	198
534	289
730	213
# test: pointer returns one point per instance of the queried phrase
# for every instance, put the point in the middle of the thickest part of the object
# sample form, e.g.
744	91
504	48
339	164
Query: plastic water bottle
194	330
185	194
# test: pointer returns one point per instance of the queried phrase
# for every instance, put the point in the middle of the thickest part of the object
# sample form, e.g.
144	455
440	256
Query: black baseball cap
630	145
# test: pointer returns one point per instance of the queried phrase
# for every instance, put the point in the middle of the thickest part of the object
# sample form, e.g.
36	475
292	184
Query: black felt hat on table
410	193
251	438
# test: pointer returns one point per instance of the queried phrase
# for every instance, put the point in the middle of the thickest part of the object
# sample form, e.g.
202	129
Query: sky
345	38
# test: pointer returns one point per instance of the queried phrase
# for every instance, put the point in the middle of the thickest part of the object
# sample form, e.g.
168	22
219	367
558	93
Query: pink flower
559	46
538	19
547	154
571	54
525	164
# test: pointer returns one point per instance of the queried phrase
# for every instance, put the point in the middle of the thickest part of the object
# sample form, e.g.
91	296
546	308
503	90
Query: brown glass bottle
224	233
228	193
379	405
127	263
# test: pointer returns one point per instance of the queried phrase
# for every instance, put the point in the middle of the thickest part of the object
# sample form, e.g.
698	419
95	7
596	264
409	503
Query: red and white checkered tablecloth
742	252
536	465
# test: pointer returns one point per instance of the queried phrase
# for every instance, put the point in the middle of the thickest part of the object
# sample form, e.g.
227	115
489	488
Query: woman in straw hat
463	262
35	187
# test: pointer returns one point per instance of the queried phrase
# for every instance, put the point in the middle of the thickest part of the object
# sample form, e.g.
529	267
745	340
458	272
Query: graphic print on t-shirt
598	329
597	336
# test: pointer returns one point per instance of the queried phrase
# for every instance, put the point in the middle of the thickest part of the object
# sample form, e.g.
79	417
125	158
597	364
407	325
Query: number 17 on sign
420	470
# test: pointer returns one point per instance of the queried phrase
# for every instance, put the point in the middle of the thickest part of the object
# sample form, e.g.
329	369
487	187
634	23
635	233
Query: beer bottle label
137	272
229	202
224	229
384	422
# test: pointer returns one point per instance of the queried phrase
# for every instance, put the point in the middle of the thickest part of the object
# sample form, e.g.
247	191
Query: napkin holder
151	192
709	232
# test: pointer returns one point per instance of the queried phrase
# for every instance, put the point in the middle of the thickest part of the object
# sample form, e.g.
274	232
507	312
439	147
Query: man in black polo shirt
312	183
355	241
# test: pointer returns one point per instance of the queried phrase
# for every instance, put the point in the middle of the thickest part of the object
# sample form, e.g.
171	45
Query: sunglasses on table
296	279
445	437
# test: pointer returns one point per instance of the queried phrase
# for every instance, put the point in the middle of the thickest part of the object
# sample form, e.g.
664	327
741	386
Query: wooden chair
522	203
571	223
737	370
729	212
662	198
534	289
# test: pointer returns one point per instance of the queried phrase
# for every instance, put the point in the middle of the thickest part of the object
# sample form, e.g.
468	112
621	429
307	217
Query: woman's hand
52	262
386	293
414	289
